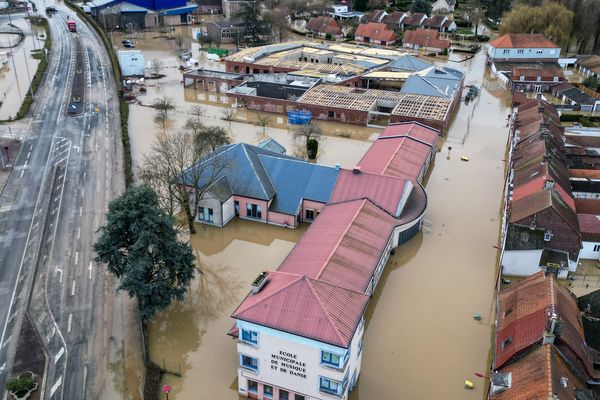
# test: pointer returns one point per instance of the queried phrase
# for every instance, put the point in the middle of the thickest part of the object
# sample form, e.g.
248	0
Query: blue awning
180	10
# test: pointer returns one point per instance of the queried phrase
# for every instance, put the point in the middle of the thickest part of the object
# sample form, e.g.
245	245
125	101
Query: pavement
68	169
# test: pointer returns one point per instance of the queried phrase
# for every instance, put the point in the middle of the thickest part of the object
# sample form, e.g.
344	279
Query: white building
131	62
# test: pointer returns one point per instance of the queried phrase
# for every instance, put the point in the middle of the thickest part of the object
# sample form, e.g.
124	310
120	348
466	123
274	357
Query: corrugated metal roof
305	307
343	246
295	180
408	63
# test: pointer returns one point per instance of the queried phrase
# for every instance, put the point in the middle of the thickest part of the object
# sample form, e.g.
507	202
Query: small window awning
234	332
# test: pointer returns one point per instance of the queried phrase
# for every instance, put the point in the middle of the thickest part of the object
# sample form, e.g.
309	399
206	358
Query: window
539	78
253	210
252	386
330	114
520	51
547	236
249	336
507	312
506	342
506	51
522	78
248	362
540	52
205	214
299	397
268	391
327	385
330	358
310	215
284	394
597	247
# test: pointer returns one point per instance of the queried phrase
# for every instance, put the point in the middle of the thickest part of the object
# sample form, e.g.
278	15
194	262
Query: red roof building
322	26
374	32
427	39
522	47
540	347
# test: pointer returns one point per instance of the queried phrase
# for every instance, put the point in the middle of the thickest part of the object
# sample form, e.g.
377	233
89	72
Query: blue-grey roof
444	72
132	8
408	63
250	171
272	145
437	81
295	180
418	85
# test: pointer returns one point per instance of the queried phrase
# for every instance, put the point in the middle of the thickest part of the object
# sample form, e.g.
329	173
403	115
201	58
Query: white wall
228	210
588	252
526	263
209	201
528	53
273	344
131	62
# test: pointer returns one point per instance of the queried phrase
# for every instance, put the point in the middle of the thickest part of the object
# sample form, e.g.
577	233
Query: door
236	205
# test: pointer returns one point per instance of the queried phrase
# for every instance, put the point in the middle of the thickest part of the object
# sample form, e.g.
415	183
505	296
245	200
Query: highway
69	168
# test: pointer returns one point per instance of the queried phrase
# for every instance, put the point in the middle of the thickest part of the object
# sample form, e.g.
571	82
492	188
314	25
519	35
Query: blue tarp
299	117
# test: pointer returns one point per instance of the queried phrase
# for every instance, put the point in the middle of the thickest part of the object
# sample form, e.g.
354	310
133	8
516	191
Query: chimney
541	109
549	334
356	170
337	167
549	184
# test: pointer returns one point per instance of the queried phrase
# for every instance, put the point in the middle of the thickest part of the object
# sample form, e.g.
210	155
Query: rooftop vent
259	282
356	170
338	166
549	184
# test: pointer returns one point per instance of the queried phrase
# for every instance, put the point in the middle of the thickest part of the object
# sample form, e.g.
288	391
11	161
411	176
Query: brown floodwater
420	326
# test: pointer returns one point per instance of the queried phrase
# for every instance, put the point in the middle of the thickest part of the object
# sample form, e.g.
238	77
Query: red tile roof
425	38
324	25
536	185
414	19
524	315
401	150
343	246
305	307
587	206
590	227
585	173
522	41
376	31
385	191
532	73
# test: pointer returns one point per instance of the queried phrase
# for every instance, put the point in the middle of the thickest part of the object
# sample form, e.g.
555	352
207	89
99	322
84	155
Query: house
232	7
443	6
540	211
300	329
576	97
224	31
373	16
376	33
272	145
414	21
426	39
522	48
541	351
323	26
394	20
535	78
339	8
589	65
131	62
210	6
138	14
254	183
440	23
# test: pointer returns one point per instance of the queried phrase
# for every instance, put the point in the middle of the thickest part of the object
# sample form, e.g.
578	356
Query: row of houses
299	331
335	82
399	20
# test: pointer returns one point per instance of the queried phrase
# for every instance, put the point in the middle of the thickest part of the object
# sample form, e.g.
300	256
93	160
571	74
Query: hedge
123	106
584	120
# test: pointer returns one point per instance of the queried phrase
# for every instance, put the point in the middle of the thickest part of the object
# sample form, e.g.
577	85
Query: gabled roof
408	62
425	38
343	246
295	180
523	41
539	201
376	31
324	25
590	227
220	189
401	150
414	19
394	18
306	307
385	191
373	16
272	145
436	21
438	87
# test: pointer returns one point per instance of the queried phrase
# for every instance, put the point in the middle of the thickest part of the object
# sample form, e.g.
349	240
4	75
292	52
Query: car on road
128	43
51	10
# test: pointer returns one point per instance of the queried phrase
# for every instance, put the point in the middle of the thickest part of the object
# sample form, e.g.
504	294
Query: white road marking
73	288
6	341
56	386
82	192
59	355
22	172
76	257
69	323
90	271
28	154
60	272
80	211
79	233
84	176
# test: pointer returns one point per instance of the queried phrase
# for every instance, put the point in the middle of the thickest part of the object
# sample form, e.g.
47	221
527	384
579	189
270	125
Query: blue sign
299	117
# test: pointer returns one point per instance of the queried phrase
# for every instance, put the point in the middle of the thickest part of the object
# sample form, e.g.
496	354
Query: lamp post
166	389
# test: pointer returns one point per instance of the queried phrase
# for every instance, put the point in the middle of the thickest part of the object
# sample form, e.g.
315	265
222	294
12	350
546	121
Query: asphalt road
68	170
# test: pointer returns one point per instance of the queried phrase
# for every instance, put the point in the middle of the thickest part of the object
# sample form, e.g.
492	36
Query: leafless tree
156	67
197	111
308	131
263	121
179	173
179	41
209	138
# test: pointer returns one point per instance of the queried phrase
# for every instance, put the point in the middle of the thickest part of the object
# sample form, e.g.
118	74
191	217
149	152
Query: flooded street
420	320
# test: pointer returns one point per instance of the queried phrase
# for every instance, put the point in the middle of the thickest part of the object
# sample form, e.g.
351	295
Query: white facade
339	8
131	62
590	251
211	211
441	6
526	263
294	364
516	54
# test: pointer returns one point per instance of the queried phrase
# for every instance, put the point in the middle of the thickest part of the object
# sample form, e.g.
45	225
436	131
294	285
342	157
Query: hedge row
123	106
584	120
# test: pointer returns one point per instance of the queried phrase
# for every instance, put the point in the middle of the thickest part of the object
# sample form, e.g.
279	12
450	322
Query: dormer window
547	236
506	342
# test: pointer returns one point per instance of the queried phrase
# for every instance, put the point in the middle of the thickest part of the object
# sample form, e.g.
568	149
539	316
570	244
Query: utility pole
28	76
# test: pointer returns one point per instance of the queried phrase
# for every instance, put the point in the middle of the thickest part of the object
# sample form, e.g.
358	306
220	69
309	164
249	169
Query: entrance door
236	205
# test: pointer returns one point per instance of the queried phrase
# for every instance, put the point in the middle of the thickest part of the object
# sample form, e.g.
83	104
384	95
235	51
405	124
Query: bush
350	36
591	82
328	36
587	121
483	38
312	147
21	386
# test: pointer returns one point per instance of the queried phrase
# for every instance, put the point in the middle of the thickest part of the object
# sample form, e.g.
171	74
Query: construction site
343	83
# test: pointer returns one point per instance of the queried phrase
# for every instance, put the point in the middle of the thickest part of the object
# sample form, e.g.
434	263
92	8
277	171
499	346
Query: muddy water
420	327
190	338
11	93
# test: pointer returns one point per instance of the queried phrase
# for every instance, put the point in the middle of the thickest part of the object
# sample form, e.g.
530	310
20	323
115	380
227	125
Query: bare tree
209	138
164	104
197	111
309	133
179	173
264	121
156	67
179	41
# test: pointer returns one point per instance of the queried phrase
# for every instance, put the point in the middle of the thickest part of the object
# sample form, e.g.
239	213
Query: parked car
128	43
51	10
185	55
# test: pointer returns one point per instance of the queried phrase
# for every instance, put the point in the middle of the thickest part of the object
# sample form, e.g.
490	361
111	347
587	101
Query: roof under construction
421	106
348	97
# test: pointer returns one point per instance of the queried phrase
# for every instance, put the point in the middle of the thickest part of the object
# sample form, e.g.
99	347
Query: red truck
72	26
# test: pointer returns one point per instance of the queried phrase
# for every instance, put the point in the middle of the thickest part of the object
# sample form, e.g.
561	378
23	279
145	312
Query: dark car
128	43
51	10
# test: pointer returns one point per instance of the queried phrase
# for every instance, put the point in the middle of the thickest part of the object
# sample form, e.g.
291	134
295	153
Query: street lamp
166	389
